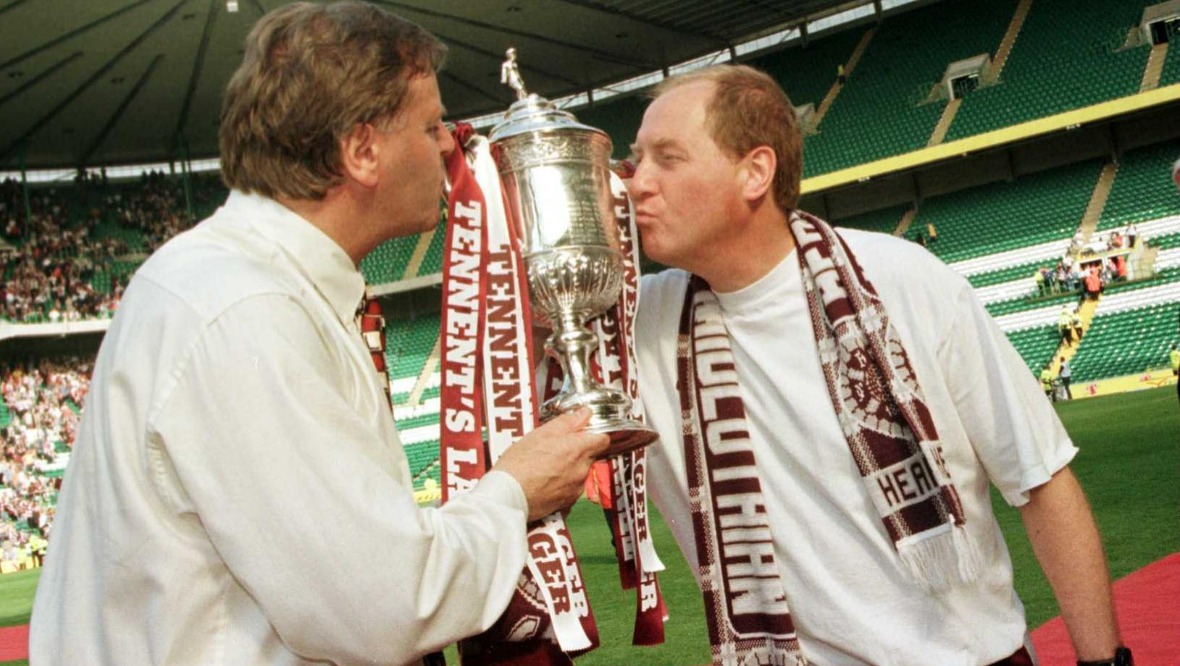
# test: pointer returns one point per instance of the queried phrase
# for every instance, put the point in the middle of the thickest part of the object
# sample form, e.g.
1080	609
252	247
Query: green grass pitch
1128	465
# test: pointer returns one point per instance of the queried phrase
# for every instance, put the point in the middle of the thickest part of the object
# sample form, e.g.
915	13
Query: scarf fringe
943	561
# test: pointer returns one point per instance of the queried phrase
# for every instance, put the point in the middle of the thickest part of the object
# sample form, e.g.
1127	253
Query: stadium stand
885	109
388	262
1171	69
1141	189
1022	273
1070	54
72	258
811	84
1133	333
410	344
883	221
1006	216
40	401
433	261
1036	345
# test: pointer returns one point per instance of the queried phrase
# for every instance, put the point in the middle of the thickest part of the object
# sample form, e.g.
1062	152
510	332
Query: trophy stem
574	344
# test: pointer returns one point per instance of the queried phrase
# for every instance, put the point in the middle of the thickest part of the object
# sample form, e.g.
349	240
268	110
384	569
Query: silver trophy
556	181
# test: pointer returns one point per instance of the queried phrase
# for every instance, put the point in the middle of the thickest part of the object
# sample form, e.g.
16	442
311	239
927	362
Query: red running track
14	643
1148	607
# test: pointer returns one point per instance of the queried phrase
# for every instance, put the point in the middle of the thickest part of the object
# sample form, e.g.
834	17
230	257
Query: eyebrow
661	144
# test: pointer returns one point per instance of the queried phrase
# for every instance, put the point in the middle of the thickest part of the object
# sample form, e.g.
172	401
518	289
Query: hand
551	462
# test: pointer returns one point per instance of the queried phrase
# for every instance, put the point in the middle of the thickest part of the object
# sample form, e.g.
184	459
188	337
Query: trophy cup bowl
556	182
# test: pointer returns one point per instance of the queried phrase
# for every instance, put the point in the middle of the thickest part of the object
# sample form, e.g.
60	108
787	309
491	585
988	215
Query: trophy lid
536	114
531	112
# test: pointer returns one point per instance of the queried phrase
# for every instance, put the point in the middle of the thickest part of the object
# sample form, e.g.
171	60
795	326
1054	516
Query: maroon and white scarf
886	423
489	387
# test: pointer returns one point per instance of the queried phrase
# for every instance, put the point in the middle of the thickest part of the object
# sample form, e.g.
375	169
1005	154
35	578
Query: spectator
1064	324
1174	359
1093	281
1047	381
42	398
1065	374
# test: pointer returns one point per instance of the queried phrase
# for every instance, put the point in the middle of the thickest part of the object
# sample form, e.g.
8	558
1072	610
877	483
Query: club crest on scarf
879	402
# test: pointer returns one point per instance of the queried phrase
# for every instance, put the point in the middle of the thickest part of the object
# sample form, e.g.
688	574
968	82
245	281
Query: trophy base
609	415
625	435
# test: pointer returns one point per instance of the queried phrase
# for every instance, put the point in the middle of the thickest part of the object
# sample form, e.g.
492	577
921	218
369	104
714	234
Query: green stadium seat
1069	55
882	111
1003	216
1142	188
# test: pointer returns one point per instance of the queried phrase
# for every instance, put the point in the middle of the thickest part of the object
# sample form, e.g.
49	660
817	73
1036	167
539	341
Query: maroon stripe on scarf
746	612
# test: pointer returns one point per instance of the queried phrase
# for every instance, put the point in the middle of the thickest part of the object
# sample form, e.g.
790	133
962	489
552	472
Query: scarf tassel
942	561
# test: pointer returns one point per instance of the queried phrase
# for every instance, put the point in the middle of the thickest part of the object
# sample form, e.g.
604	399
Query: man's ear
359	155
759	169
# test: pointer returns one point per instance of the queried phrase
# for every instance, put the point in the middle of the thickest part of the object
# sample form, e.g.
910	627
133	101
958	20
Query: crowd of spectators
43	400
67	254
1090	267
156	208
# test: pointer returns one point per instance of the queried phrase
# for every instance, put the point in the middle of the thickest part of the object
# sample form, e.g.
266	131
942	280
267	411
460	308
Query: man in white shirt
235	412
832	410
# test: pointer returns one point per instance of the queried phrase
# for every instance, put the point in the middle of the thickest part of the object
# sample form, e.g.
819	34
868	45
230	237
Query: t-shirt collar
784	274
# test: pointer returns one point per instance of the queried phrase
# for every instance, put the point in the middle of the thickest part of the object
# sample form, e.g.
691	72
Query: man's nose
447	145
640	184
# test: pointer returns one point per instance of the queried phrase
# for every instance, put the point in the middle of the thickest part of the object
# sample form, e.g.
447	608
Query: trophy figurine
556	181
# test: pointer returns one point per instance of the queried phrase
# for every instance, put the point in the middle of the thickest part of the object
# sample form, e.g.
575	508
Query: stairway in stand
1006	44
1154	68
906	220
1067	350
837	86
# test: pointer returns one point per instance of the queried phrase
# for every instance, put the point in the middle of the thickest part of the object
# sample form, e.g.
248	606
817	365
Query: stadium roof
105	82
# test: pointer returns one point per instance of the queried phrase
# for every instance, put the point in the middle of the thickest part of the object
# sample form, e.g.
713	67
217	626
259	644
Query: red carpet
1148	607
1148	603
14	643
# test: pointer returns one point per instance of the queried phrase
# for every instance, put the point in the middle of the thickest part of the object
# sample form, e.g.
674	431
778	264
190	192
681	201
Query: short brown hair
311	74
749	109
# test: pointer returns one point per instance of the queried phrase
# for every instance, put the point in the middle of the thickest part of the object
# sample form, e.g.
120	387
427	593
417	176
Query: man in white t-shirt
784	382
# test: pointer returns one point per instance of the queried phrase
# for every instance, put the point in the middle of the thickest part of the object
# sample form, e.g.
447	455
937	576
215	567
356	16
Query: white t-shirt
238	493
851	599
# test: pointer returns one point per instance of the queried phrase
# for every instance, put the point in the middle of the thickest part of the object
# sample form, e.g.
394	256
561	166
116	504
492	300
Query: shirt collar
314	253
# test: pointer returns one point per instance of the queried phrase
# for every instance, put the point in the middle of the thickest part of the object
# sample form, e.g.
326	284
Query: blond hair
749	109
310	75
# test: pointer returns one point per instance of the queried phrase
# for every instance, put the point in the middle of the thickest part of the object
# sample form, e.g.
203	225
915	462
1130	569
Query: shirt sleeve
297	496
1011	425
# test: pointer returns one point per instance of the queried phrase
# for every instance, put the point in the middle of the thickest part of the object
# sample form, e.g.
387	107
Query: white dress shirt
238	493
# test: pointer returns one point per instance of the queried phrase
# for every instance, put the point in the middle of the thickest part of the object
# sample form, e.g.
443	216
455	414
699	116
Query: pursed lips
643	217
